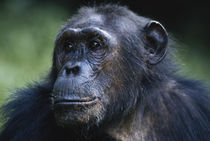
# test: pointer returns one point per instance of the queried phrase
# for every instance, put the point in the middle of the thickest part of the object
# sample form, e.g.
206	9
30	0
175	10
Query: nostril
67	70
76	70
72	70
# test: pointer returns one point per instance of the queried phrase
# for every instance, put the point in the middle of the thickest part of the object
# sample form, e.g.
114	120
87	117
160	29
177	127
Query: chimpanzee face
96	78
82	62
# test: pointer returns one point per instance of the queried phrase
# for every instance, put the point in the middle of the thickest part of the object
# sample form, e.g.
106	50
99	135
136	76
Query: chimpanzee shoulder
183	106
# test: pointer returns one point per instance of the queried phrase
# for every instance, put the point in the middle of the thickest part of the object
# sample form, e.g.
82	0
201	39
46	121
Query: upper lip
70	100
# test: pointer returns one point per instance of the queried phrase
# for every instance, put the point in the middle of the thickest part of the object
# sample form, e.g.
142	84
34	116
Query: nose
70	69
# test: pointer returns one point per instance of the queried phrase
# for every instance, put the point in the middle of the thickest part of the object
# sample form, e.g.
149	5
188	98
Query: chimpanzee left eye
94	44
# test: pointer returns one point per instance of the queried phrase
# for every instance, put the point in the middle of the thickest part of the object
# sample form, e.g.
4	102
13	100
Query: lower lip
74	102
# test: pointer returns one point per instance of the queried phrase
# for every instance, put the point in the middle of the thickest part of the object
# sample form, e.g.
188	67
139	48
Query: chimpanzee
111	80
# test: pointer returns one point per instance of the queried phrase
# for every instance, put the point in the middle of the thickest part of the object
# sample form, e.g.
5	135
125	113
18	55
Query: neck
126	129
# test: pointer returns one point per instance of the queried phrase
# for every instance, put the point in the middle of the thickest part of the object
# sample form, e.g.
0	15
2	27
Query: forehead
109	21
86	20
95	18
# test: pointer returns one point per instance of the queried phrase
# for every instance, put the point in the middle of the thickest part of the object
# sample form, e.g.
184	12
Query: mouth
75	101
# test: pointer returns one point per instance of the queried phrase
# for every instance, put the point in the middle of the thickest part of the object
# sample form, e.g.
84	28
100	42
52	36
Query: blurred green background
28	29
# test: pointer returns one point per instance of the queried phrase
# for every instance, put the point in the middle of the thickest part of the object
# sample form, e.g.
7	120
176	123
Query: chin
85	113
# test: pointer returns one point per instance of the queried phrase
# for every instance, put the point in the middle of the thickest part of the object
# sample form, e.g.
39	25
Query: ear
155	40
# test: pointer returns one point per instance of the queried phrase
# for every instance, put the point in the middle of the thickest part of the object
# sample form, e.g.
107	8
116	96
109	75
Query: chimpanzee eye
68	46
94	45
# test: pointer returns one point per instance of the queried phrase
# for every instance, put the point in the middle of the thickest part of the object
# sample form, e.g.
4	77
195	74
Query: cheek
119	95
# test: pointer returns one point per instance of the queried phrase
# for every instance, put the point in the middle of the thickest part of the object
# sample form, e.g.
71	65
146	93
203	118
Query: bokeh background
28	29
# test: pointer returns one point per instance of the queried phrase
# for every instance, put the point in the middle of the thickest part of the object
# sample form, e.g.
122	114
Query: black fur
166	107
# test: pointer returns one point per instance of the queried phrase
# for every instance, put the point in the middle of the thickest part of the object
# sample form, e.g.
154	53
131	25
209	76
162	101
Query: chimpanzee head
100	61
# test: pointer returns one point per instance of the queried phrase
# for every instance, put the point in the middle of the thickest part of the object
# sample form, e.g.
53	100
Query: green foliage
194	62
26	44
